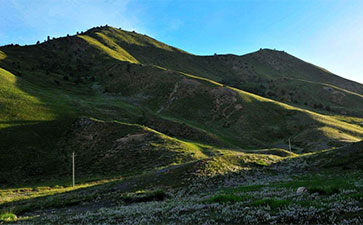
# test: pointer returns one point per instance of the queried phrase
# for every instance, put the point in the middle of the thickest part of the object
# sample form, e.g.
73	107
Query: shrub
324	190
158	195
261	162
7	217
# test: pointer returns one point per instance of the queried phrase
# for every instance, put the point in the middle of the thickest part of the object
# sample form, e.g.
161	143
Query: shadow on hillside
28	147
21	122
107	193
181	176
28	150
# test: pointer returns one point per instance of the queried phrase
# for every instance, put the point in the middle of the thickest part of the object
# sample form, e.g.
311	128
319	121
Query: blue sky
327	33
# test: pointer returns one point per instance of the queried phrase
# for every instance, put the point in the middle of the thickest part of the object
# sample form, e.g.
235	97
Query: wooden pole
73	170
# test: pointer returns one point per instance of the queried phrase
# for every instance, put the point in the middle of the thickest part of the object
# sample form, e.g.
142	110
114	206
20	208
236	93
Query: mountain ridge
266	78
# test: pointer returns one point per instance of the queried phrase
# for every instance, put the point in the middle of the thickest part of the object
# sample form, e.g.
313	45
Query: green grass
262	162
324	190
328	186
324	183
8	217
42	190
115	51
28	199
328	182
273	203
228	198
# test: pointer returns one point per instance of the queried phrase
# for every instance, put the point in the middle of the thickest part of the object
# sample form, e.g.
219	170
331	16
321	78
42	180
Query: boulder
301	190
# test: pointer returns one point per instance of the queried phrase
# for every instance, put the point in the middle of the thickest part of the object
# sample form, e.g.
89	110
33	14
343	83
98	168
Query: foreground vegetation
252	194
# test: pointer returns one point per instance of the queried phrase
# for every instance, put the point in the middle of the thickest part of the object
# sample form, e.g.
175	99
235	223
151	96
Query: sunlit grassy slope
269	73
184	101
109	47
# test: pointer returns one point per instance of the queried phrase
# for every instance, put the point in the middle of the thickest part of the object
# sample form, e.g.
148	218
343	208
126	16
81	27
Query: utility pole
73	170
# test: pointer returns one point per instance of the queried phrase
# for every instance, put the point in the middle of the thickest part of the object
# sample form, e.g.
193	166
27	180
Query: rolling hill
115	75
164	136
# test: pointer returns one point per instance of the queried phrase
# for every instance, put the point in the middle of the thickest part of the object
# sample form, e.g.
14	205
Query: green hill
161	134
270	73
115	75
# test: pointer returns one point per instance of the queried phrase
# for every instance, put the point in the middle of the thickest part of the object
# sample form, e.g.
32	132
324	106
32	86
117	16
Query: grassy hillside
164	136
270	73
115	75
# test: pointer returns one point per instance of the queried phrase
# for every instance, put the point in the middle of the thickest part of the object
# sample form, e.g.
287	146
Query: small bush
261	162
324	190
7	217
158	195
